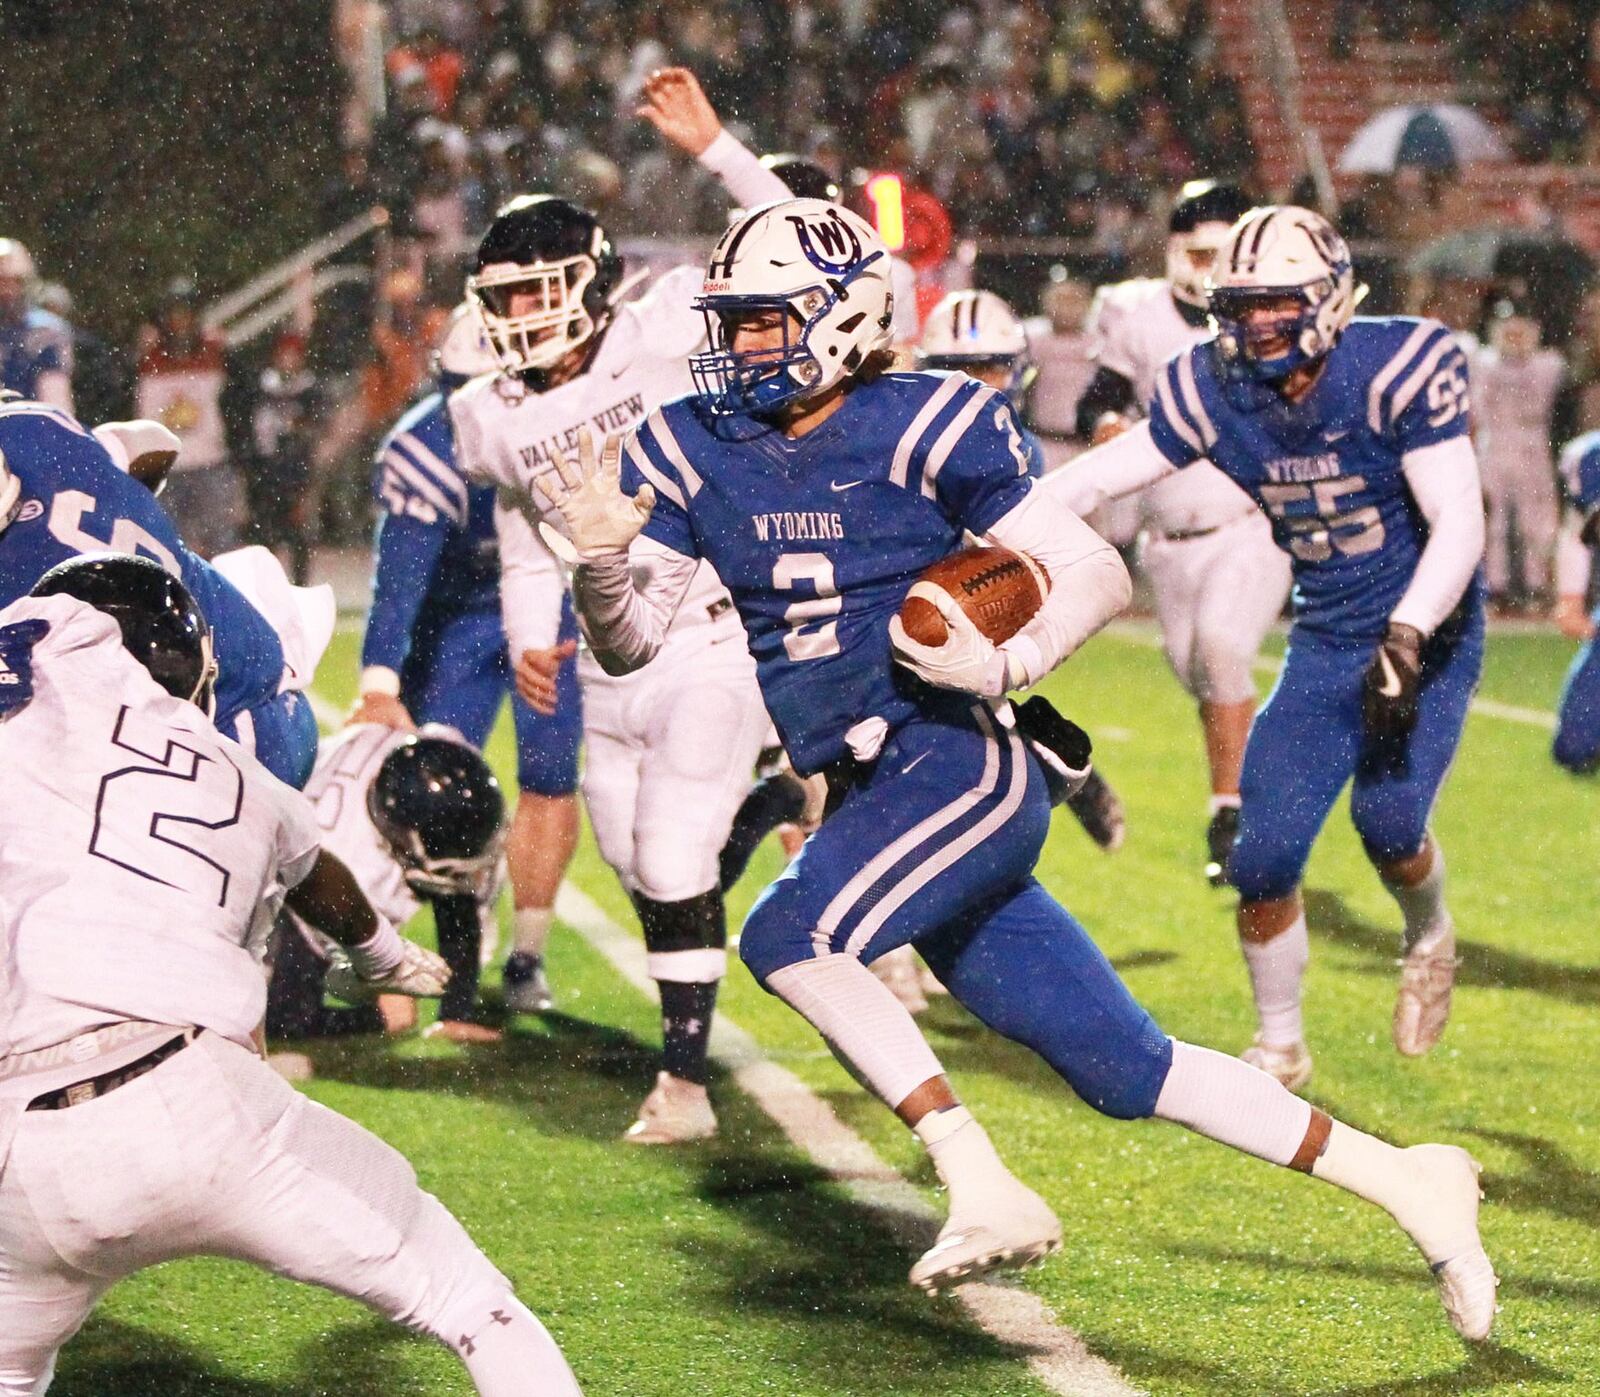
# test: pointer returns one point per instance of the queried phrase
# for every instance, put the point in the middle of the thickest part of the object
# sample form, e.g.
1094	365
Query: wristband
379	679
379	953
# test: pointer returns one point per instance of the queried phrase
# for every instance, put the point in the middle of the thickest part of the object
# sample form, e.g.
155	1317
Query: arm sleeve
1444	482
1089	584
406	556
746	179
1123	466
532	581
624	625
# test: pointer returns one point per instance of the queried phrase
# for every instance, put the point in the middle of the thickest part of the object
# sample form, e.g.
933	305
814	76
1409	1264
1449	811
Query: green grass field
739	1268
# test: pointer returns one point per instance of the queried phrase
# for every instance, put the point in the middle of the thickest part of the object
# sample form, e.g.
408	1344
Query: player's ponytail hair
874	366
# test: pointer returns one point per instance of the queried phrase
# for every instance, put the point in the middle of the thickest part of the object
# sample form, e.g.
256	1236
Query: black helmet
161	626
556	250
1208	201
806	179
439	809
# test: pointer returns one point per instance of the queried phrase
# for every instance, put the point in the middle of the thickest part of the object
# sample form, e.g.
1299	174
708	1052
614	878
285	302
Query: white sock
1423	904
531	928
865	1025
963	1154
1276	969
1233	1103
1224	802
1372	1169
510	1354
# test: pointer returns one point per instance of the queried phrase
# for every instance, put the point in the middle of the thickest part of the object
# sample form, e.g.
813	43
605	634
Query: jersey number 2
810	637
154	814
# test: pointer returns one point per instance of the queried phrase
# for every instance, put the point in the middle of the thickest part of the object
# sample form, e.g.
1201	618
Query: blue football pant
1577	741
937	847
458	674
282	734
1308	741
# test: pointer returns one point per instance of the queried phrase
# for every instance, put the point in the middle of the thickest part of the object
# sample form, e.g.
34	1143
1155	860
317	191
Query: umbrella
1499	254
1438	136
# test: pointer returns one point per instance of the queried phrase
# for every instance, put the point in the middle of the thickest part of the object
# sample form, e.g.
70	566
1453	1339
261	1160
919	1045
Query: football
998	589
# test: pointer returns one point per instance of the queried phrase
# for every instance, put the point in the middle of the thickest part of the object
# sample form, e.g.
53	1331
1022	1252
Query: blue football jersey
32	346
74	500
818	538
1580	472
436	546
1327	470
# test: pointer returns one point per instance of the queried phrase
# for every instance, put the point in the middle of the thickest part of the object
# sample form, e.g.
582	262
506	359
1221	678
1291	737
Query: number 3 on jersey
810	637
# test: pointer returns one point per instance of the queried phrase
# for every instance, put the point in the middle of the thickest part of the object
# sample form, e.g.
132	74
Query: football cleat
1098	809
1427	977
968	1248
526	989
1442	1220
675	1113
462	1031
900	970
1220	836
1290	1063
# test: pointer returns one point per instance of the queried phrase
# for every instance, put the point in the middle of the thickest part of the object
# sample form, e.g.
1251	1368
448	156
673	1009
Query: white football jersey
143	856
505	434
1136	327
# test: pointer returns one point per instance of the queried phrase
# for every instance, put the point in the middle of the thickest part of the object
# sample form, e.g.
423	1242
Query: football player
63	494
137	1123
1219	582
1514	388
668	755
976	332
818	481
417	818
435	647
1354	436
1577	740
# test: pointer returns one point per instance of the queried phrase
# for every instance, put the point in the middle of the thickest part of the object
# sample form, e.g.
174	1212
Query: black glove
1061	746
1393	682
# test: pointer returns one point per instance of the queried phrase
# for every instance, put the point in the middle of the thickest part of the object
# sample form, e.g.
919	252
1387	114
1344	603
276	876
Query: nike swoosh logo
906	769
1336	436
1390	688
837	488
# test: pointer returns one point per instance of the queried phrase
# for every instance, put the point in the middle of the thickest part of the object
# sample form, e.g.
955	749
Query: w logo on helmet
830	244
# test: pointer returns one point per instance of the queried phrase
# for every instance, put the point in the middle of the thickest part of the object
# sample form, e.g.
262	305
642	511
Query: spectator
1062	349
180	384
35	346
280	471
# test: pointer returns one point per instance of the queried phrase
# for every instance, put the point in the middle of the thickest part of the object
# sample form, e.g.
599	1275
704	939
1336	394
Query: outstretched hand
600	520
677	106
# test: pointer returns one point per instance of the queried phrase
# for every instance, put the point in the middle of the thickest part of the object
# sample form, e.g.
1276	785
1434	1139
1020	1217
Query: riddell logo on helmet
711	288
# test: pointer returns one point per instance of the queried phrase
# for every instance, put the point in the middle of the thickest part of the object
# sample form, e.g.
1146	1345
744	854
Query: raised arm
676	105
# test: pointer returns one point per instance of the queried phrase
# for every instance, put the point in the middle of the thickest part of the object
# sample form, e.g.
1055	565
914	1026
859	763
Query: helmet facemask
1190	258
539	338
431	876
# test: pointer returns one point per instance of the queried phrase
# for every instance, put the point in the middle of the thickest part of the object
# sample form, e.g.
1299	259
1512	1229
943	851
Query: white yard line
1013	1316
1146	633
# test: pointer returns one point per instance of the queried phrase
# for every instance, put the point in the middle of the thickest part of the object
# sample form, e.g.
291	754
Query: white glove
968	660
386	964
600	520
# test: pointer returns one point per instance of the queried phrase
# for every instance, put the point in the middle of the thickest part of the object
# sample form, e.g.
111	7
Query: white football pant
670	753
212	1153
1217	596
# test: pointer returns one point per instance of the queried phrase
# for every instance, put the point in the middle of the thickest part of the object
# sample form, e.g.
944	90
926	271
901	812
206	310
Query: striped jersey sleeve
653	455
1419	394
1181	425
963	450
1580	471
416	474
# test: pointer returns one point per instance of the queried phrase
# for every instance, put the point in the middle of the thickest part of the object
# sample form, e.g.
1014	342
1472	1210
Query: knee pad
1390	828
685	941
1260	871
1123	1079
773	938
670	868
460	1285
1221	673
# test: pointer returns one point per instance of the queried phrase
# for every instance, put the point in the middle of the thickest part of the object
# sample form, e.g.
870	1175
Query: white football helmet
827	270
16	261
464	350
1201	219
1285	259
975	329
